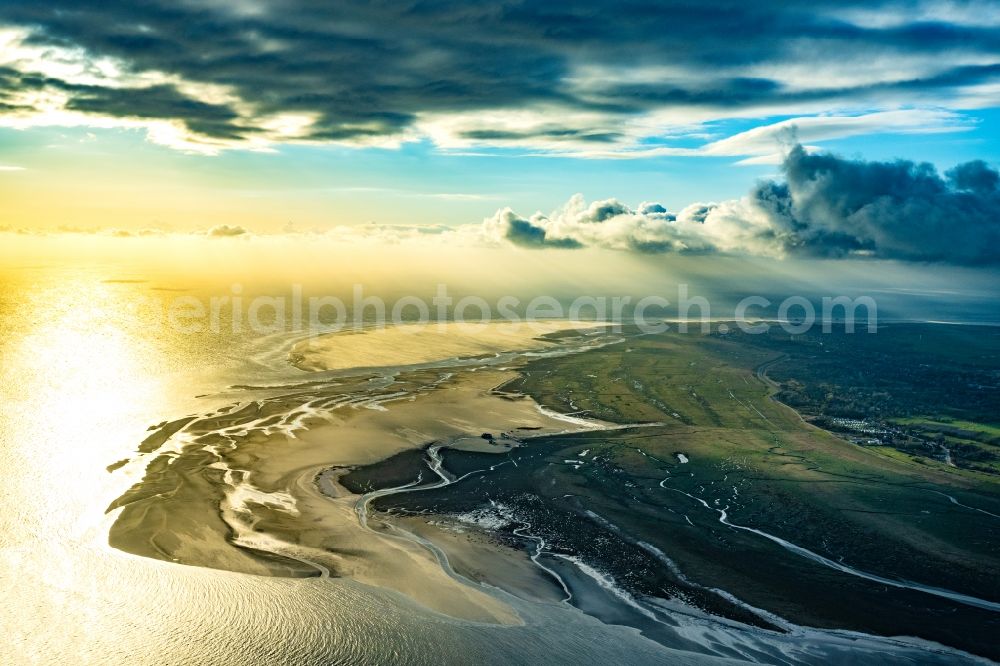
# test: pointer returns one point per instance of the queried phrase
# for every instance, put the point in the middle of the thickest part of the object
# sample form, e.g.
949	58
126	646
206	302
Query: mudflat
254	488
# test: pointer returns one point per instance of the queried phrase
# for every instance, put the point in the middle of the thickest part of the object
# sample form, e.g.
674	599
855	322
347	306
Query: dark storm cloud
975	176
826	206
830	206
161	101
370	69
722	93
150	102
554	133
526	233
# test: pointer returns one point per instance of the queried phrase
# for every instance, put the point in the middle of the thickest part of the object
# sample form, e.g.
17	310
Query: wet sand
477	555
250	488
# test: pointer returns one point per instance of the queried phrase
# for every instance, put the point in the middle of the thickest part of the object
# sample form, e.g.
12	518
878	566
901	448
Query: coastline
286	474
248	488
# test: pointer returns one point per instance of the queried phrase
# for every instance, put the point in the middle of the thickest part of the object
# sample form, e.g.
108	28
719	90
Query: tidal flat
650	481
242	488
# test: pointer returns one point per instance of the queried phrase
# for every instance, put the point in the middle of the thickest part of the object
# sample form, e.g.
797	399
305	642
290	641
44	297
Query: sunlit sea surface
87	366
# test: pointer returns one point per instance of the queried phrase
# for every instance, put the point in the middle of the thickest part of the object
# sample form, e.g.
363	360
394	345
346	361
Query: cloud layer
826	206
591	74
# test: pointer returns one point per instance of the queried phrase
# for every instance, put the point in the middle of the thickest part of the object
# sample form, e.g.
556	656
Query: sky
834	130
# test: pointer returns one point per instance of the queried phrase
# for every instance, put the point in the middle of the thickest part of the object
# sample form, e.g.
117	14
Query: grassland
700	399
930	391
